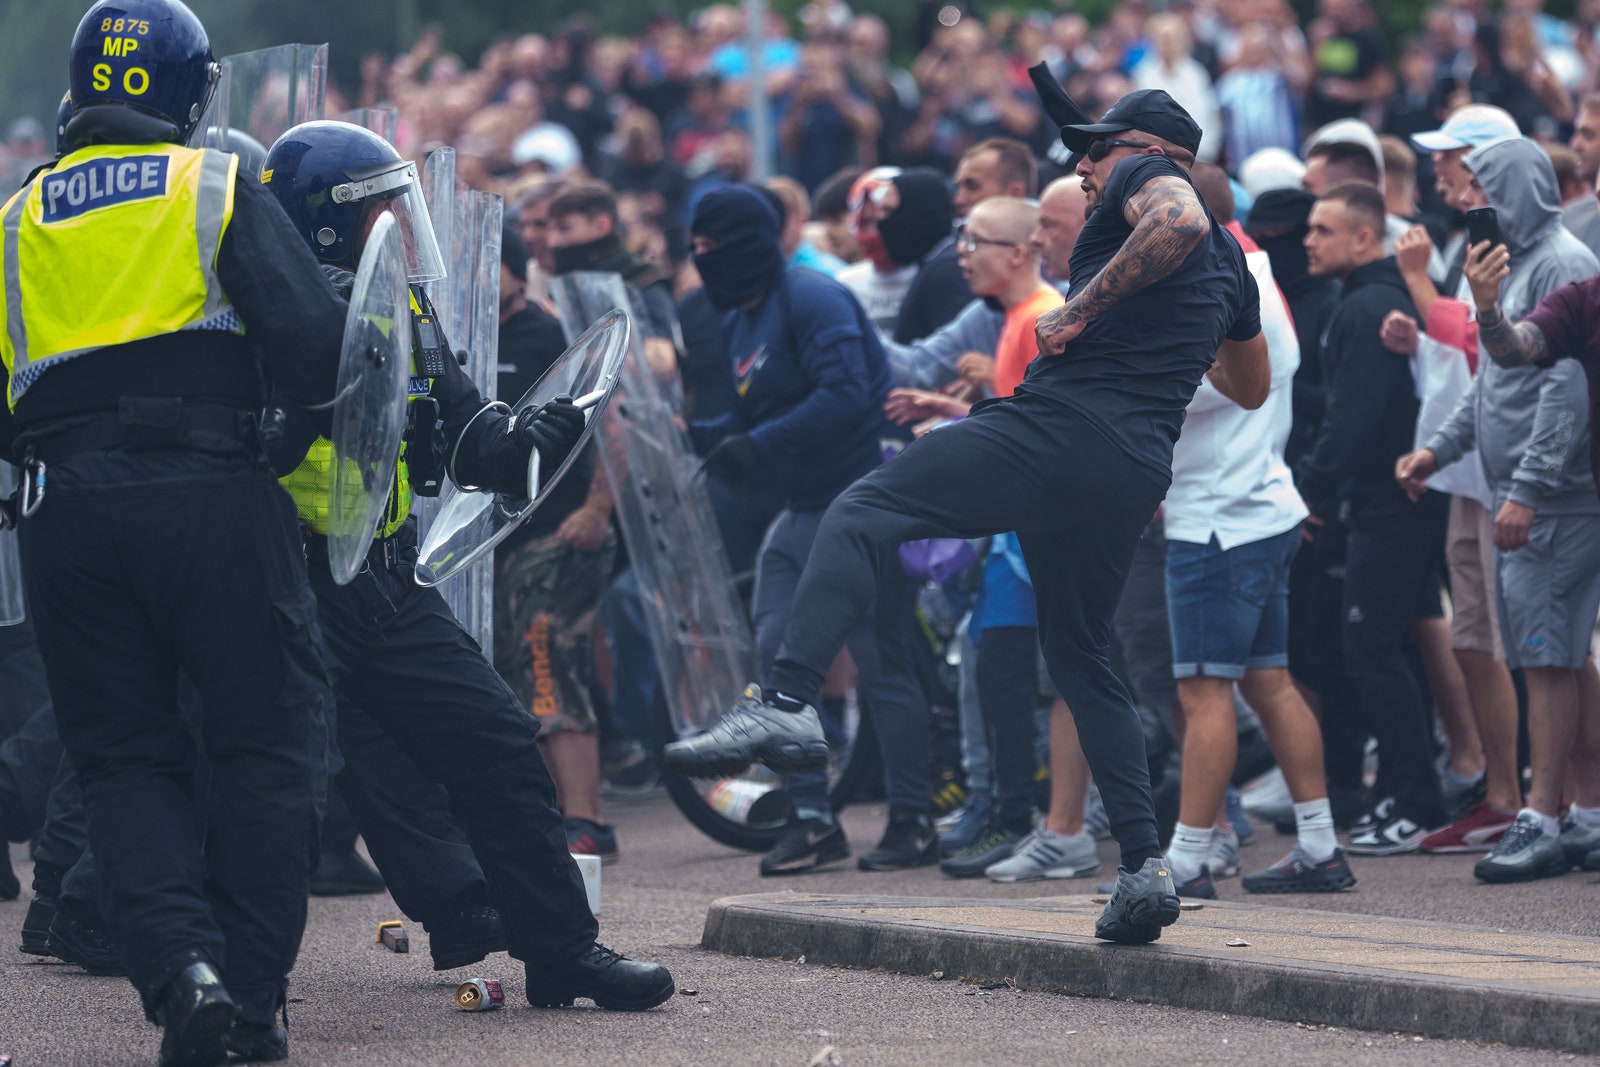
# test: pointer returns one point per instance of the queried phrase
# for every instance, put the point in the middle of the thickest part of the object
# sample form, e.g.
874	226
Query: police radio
428	345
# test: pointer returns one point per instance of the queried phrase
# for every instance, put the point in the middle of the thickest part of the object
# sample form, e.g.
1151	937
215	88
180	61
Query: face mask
739	272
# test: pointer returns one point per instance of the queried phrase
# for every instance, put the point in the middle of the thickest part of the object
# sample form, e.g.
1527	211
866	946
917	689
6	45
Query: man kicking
1076	462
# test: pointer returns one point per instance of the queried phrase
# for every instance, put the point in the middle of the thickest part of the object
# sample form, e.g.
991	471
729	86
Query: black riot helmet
334	178
140	72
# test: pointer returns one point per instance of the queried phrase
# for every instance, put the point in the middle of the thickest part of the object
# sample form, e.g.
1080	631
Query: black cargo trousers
408	675
139	566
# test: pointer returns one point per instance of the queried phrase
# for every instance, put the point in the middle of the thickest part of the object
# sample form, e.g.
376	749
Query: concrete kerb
853	932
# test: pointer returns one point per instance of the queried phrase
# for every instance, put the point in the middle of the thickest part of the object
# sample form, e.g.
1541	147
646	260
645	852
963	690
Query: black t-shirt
530	342
1352	56
1136	365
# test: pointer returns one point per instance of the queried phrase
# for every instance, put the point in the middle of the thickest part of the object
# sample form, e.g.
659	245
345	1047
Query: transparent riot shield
470	524
265	93
467	225
11	600
369	414
383	121
704	650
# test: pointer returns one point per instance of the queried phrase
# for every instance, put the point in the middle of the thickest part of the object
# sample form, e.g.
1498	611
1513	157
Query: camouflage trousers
546	594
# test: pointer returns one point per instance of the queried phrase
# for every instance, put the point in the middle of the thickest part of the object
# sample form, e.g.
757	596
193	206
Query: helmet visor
397	191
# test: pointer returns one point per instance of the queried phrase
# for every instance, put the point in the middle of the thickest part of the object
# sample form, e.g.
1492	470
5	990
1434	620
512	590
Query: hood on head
1520	183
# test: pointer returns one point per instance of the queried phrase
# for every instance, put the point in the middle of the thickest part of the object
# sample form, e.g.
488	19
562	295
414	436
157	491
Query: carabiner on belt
33	479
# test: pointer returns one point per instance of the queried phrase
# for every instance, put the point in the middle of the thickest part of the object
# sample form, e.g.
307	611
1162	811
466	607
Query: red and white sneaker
1478	830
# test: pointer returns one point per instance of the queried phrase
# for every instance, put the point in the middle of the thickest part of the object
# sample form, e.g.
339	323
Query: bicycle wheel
748	812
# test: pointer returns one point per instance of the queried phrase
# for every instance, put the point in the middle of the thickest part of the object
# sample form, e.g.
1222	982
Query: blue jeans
1229	609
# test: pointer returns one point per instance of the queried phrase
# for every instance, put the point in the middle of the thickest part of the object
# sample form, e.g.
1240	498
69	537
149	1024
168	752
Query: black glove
734	457
553	428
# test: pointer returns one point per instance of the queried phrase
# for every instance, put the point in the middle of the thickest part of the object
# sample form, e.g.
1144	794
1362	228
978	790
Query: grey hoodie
1530	426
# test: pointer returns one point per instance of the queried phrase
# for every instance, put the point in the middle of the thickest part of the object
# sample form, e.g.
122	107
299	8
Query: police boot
10	887
258	1042
467	938
197	1012
608	978
78	939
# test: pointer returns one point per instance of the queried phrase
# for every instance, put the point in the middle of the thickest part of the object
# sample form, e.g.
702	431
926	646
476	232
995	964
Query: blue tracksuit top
809	379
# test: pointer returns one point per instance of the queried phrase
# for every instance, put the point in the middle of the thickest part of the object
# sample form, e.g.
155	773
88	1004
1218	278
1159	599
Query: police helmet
63	116
251	152
150	56
333	177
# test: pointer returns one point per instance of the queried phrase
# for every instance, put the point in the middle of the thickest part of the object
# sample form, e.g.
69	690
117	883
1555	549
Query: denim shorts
1229	610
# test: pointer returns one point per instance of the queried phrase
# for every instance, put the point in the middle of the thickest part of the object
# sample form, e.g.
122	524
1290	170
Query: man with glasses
1076	462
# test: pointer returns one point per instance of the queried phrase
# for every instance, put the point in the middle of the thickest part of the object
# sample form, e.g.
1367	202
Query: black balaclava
921	221
747	262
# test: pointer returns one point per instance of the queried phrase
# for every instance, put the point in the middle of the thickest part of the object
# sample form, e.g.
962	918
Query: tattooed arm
1508	345
1168	220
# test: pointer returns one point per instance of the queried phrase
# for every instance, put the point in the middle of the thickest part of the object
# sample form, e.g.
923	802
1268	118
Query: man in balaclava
809	382
918	231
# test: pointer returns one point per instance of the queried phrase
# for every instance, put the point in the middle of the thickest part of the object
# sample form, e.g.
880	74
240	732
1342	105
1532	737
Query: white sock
1187	851
1588	818
1548	823
1313	822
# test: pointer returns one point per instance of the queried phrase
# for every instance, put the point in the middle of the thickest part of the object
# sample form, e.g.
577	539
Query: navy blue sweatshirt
809	379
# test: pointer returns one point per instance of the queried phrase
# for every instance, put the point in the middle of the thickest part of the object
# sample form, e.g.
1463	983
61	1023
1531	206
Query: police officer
404	670
148	288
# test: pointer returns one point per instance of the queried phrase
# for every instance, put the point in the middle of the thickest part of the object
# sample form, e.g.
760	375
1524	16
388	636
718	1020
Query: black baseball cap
1149	111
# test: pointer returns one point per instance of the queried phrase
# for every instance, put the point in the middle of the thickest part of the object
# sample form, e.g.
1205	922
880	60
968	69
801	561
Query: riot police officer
401	662
149	287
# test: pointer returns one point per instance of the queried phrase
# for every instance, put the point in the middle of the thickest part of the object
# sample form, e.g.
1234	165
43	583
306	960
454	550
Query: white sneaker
1223	859
1047	854
1268	799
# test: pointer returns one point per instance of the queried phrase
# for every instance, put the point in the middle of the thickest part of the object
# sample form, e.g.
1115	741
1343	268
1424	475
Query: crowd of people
1230	381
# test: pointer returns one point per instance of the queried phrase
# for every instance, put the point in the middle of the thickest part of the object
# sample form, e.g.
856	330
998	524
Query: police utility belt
141	422
399	549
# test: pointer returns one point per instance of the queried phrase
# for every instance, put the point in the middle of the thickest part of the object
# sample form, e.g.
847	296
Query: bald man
1063	209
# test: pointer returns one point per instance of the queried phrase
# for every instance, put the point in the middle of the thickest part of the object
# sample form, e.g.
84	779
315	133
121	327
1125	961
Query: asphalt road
356	1004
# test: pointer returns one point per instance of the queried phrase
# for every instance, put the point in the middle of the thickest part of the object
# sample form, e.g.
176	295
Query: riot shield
369	412
467	224
470	524
265	93
11	602
704	650
383	121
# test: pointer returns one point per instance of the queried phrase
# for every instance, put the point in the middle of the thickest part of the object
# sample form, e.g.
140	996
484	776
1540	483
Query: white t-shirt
880	294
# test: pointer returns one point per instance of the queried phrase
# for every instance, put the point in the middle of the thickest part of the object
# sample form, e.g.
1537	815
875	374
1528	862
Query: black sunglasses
1100	149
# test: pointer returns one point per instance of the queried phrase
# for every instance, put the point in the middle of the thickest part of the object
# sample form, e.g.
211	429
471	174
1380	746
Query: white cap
1472	126
550	144
1268	169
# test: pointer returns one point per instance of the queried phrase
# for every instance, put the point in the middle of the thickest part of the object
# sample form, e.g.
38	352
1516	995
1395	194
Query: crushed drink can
480	994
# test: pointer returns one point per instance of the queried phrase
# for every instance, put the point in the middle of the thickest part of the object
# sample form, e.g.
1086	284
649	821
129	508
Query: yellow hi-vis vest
113	244
311	483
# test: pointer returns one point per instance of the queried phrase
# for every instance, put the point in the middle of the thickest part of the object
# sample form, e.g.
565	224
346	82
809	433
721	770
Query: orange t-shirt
1018	345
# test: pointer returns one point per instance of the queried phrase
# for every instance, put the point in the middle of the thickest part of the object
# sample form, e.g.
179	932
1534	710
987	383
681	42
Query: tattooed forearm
1170	222
1508	345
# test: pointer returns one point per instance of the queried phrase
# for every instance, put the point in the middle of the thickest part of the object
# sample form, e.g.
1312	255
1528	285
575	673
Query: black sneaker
467	938
197	1013
1373	817
1200	887
990	848
806	844
589	838
258	1042
1394	836
753	729
36	926
908	841
344	873
1295	873
608	978
80	941
1141	903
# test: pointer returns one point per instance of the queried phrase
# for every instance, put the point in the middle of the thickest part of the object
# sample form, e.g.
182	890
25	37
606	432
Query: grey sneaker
1141	904
753	729
1578	841
1047	854
1524	853
990	848
1223	859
